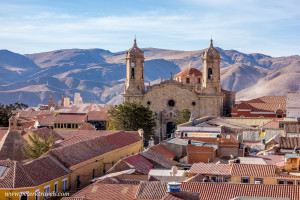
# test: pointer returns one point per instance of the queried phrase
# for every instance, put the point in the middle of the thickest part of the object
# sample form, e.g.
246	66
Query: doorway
170	129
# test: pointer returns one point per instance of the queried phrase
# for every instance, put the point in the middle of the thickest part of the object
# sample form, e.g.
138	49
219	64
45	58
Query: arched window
132	72
210	72
279	113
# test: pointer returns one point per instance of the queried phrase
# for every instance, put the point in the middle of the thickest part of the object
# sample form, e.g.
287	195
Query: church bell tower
134	84
211	83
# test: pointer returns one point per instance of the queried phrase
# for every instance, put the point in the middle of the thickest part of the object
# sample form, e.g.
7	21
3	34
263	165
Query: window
24	195
132	72
210	73
112	163
242	116
226	179
187	80
148	103
69	126
46	192
259	180
78	182
298	183
290	182
56	187
261	116
171	103
281	182
193	103
104	169
37	194
214	179
199	80
93	173
65	184
245	180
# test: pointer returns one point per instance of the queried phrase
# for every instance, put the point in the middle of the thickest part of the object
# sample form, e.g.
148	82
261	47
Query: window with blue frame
259	179
227	179
245	180
297	182
280	181
290	182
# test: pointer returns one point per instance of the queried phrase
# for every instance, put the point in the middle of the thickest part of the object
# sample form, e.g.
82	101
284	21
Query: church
200	93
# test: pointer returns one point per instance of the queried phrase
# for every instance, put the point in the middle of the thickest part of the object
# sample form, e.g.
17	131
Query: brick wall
200	154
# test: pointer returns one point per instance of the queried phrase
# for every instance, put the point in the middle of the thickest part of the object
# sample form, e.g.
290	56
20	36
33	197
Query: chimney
13	124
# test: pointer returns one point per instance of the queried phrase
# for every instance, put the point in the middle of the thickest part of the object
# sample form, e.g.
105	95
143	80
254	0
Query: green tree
6	112
131	117
38	145
182	117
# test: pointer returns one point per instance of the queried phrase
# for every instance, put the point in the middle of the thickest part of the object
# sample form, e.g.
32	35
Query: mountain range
98	75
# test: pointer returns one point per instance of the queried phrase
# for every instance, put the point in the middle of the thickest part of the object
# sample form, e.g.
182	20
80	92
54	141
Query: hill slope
99	74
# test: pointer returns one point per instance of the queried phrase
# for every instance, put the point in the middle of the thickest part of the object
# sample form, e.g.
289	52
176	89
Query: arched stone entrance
170	129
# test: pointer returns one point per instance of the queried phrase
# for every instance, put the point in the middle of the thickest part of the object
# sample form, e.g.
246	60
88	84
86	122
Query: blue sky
270	27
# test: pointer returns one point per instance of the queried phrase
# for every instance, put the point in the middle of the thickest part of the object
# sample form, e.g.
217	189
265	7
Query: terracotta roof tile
45	132
289	142
253	170
207	168
158	158
99	191
266	103
272	124
122	139
47	120
151	190
161	149
97	115
169	196
70	118
226	191
141	164
45	169
189	71
88	148
270	159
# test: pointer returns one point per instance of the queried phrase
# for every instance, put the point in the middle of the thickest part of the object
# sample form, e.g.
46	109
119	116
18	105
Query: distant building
201	93
77	98
293	104
263	107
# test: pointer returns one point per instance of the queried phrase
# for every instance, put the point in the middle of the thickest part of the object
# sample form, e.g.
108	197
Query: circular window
171	103
148	103
193	103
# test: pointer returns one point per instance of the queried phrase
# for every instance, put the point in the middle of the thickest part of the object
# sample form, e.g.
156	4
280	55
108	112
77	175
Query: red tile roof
151	190
122	139
227	191
141	164
45	169
47	120
214	169
289	142
70	118
158	158
46	132
169	196
161	149
253	170
265	103
75	153
189	72
272	124
31	174
97	115
99	191
270	159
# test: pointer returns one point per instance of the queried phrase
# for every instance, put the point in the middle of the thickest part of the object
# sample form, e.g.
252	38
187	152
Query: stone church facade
201	93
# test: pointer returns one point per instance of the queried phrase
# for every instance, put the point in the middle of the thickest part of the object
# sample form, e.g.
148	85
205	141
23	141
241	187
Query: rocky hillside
99	74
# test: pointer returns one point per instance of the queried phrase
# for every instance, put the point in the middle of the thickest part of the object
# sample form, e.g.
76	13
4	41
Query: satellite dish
174	170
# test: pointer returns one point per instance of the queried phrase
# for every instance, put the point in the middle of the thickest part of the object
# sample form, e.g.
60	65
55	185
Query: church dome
189	72
135	51
211	52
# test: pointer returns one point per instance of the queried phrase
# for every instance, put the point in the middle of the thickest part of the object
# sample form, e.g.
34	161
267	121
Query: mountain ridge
99	74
